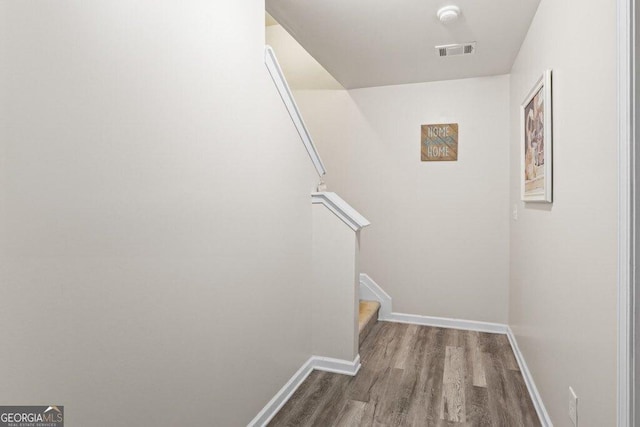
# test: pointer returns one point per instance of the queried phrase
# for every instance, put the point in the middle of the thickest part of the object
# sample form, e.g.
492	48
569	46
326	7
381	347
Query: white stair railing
271	62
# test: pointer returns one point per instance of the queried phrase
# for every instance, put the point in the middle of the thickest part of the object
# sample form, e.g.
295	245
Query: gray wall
155	218
562	295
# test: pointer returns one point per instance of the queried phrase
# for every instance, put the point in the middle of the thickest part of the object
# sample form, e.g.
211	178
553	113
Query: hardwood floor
418	376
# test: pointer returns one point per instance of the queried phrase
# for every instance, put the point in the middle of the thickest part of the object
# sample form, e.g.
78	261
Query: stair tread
366	311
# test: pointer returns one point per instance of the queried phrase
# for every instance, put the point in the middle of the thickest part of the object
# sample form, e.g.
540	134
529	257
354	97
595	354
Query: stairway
367	317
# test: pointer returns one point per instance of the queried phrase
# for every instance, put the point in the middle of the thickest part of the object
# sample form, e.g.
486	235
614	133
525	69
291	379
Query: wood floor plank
496	396
429	367
326	413
409	390
522	399
452	407
298	398
351	414
475	396
445	423
302	413
509	393
475	355
477	407
488	343
368	347
521	410
506	353
389	400
454	337
376	362
369	413
434	386
410	336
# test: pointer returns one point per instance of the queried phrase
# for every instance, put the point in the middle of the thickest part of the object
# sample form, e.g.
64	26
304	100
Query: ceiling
365	43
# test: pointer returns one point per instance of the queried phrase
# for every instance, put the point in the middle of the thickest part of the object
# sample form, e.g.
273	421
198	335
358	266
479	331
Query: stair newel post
336	247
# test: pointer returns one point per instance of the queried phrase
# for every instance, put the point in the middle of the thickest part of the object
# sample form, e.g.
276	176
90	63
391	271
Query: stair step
367	317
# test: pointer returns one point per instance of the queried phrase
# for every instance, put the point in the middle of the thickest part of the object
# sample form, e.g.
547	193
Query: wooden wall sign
439	142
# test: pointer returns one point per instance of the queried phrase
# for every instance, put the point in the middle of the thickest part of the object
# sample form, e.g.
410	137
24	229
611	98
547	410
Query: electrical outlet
514	212
573	406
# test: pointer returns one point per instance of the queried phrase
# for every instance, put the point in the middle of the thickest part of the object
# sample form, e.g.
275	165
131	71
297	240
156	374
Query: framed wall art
536	142
439	142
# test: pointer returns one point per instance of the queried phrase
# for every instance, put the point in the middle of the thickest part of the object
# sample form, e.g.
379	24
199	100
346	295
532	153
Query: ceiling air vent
456	49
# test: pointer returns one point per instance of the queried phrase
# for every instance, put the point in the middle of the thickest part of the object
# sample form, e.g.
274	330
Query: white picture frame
536	142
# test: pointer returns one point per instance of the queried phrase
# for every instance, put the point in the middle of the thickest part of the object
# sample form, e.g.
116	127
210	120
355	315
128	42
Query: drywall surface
301	69
438	243
334	306
562	299
155	218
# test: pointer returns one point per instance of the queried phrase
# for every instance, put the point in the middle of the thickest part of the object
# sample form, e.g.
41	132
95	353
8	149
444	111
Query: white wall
562	304
155	222
438	243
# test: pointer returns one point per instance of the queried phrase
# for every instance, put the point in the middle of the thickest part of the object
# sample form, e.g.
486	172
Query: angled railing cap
341	209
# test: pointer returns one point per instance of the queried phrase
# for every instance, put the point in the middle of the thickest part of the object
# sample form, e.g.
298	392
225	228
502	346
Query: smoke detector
456	49
448	14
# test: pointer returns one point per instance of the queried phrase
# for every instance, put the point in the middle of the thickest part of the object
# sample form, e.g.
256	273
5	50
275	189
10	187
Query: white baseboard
528	379
337	366
371	291
442	322
319	363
